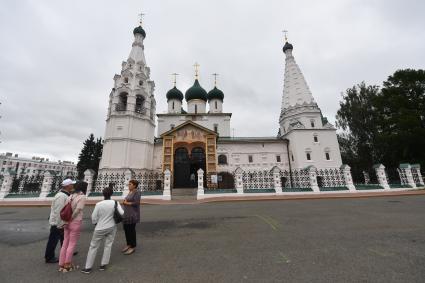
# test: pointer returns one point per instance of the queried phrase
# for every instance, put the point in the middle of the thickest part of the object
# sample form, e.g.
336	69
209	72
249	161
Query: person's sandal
129	251
125	249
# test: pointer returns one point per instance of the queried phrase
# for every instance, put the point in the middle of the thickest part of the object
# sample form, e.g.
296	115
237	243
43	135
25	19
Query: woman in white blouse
106	228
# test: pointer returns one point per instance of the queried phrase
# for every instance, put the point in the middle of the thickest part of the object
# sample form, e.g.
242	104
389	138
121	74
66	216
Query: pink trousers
71	234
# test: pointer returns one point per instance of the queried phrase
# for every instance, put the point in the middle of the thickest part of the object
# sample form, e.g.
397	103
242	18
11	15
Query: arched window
196	108
140	82
152	111
140	101
173	105
308	153
312	123
215	102
327	154
126	80
222	159
315	138
122	102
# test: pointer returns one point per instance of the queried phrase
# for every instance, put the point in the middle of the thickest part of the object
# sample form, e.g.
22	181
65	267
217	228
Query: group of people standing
104	216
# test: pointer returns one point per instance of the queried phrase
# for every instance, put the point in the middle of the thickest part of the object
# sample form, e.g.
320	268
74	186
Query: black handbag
117	215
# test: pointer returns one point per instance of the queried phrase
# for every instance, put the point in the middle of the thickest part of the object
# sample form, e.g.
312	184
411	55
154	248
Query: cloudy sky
58	58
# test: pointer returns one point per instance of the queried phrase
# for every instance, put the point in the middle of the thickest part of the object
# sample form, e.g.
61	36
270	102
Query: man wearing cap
55	221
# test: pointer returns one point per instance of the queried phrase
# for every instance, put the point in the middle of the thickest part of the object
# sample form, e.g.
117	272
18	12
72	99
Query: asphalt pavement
324	240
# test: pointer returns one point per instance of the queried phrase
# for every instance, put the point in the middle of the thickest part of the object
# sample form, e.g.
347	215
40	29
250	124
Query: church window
292	157
222	159
152	112
122	102
327	155
126	80
140	82
250	158
215	103
312	123
4	162
173	105
196	109
316	139
172	126
216	128
308	155
140	101
278	158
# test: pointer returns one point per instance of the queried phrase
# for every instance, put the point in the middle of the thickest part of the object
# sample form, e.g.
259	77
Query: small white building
35	165
198	135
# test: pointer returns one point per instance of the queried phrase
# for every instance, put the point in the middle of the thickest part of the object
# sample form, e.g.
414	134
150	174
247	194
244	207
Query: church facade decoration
198	136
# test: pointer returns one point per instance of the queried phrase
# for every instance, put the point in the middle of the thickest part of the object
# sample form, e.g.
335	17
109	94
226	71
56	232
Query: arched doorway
181	168
186	166
197	161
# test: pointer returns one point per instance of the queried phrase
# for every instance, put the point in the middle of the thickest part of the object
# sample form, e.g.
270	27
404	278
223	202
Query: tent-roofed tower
300	121
130	122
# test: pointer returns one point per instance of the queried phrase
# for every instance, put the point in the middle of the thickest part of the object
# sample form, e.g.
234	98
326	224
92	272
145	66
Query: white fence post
89	179
313	178
166	194
417	168
346	170
46	185
200	182
276	180
381	176
6	186
239	182
408	171
128	175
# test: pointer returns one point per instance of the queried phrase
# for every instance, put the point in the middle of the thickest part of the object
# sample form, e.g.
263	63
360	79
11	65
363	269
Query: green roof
174	93
196	92
139	30
215	93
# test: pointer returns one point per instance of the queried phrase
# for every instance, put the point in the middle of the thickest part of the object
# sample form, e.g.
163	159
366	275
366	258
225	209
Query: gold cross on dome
196	65
175	78
215	78
141	18
285	33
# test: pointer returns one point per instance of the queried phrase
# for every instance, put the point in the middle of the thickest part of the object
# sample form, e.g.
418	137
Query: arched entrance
181	168
186	166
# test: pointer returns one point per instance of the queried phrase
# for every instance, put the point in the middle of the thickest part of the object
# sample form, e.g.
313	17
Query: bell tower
130	122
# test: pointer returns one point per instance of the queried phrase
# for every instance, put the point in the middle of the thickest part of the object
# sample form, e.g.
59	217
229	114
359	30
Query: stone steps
184	193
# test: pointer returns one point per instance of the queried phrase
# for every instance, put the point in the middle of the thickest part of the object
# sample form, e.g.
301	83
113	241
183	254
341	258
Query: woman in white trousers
106	228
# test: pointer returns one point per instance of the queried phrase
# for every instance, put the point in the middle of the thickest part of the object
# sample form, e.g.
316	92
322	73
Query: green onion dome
196	92
174	93
287	46
139	30
215	93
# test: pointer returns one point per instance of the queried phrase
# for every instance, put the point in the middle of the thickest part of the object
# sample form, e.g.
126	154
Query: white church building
195	132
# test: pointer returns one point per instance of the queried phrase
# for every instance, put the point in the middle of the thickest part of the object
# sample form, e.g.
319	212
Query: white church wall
157	156
302	142
196	106
215	106
174	106
264	155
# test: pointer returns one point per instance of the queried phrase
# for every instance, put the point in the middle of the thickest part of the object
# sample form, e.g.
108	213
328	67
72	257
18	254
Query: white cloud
58	58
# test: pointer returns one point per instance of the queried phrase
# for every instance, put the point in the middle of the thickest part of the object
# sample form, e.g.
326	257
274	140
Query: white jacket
103	214
57	204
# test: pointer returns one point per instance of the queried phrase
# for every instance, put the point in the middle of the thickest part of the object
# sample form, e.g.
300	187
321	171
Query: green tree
357	118
90	155
401	106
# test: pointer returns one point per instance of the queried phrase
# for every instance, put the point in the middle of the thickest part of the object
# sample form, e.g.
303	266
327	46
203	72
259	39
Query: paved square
336	240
